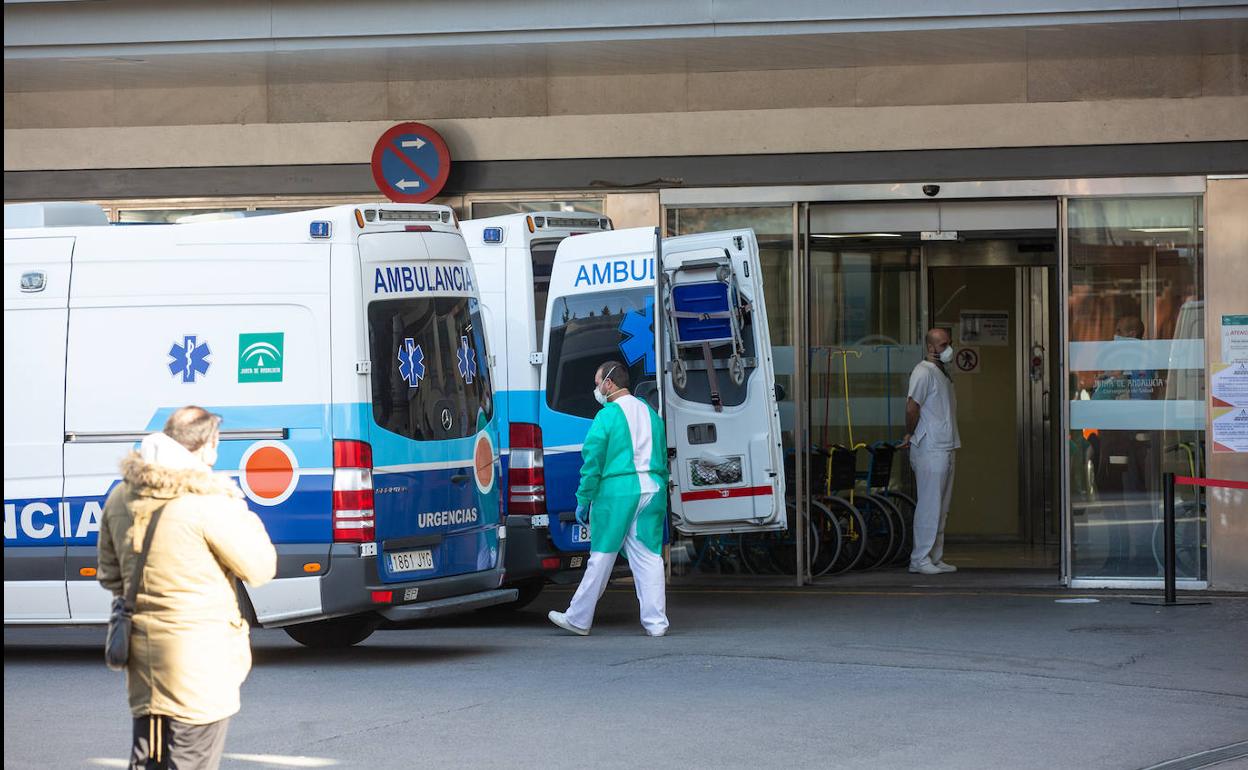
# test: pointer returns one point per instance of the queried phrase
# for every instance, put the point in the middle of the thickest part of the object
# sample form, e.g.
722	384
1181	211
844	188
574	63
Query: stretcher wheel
736	370
680	375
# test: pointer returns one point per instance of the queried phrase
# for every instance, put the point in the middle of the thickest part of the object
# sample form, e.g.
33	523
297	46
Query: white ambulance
345	350
567	293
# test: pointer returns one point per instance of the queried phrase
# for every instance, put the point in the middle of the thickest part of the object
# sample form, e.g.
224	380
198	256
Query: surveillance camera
931	190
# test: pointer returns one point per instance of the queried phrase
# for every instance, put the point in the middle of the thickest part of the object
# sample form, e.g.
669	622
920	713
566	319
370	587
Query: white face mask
1120	338
208	454
946	355
599	396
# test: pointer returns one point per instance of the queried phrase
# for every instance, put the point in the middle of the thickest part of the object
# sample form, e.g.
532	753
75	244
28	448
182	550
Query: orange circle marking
483	459
269	472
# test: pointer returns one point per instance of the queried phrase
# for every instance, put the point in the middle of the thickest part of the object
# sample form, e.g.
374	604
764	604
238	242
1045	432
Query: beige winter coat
189	652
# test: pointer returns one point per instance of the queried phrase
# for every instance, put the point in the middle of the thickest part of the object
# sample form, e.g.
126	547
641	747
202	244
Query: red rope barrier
1199	482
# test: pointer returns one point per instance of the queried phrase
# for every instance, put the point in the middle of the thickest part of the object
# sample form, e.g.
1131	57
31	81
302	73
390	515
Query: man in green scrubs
623	498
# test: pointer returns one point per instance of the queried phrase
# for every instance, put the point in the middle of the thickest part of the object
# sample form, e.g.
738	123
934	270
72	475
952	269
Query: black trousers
164	743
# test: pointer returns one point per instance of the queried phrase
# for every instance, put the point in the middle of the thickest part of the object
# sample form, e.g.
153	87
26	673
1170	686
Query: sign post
411	163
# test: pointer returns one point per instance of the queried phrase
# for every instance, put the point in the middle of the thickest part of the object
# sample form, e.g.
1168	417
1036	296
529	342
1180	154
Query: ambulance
564	292
346	352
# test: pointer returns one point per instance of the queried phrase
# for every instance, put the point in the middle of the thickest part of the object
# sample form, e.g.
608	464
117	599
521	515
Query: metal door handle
460	478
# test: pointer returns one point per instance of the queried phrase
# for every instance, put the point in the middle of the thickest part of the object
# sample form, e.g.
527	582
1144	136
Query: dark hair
1137	325
618	373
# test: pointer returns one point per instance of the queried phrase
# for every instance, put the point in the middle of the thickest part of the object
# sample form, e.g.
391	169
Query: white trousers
648	578
933	472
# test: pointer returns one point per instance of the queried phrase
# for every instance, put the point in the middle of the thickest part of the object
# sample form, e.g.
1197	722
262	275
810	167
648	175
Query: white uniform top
933	391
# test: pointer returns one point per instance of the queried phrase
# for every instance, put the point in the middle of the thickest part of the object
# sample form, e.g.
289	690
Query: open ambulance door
718	385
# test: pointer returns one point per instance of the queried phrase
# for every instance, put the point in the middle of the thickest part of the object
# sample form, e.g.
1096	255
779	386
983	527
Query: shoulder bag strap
133	591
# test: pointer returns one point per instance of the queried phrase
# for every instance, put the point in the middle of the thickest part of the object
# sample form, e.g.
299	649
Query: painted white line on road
279	760
1078	600
273	760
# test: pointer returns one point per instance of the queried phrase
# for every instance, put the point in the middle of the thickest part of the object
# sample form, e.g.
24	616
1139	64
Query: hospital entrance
880	276
994	297
1077	324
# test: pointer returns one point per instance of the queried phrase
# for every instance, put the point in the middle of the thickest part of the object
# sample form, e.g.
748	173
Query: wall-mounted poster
984	327
1234	338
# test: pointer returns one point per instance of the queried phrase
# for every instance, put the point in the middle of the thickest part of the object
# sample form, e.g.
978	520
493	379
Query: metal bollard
1167	525
1168	528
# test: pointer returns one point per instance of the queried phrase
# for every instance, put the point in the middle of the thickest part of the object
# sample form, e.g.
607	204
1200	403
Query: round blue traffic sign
411	163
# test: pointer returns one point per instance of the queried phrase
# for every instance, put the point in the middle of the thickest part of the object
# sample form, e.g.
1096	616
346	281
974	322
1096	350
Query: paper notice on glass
984	327
1230	429
1228	384
1235	338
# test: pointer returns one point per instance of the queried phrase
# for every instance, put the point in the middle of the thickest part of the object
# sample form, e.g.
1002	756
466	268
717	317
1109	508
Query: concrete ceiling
147	55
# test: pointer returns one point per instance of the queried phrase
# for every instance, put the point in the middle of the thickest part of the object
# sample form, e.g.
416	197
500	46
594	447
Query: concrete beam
1188	158
746	132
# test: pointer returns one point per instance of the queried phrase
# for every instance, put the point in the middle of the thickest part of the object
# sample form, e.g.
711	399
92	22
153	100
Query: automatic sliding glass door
1137	403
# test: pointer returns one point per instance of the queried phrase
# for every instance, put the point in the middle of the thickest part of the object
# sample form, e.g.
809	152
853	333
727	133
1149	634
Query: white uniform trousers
648	578
933	473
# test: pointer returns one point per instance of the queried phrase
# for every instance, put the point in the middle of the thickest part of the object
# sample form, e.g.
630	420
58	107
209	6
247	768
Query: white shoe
561	619
925	567
940	565
656	633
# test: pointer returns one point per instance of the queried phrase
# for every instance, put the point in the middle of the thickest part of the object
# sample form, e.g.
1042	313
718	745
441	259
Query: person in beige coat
189	648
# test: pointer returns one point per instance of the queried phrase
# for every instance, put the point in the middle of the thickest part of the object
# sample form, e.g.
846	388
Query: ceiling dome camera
931	190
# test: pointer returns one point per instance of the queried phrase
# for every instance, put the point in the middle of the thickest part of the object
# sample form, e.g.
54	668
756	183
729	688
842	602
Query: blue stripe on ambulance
562	468
304	517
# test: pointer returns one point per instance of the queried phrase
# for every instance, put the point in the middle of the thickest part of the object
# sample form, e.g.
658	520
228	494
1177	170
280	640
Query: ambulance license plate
580	533
408	561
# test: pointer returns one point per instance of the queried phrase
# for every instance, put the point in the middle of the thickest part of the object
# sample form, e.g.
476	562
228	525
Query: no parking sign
411	163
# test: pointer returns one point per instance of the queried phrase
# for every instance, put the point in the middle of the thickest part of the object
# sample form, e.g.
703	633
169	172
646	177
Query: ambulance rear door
36	315
433	432
600	308
718	385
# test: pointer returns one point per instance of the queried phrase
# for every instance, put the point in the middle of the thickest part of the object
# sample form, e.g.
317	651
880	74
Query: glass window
543	256
589	329
864	299
773	227
1137	404
169	216
431	374
482	209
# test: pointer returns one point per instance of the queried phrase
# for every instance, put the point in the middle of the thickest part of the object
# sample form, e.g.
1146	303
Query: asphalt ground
904	676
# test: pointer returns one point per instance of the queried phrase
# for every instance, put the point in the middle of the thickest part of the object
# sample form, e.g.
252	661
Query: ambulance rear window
588	329
543	255
431	374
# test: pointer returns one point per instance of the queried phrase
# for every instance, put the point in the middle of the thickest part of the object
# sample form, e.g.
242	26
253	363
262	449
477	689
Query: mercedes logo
447	420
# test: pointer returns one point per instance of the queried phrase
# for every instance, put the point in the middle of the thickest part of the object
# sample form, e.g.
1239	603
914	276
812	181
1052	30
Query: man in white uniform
932	436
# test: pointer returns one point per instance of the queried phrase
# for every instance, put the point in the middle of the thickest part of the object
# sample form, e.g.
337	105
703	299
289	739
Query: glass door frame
1194	187
1032	318
802	197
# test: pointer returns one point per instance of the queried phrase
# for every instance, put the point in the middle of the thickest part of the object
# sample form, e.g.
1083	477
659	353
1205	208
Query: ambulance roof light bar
370	215
406	215
539	221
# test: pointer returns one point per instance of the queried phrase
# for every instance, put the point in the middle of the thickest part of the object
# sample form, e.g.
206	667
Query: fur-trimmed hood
189	651
163	482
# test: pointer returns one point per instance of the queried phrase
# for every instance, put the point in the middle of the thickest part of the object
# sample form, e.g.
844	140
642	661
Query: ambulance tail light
354	518
526	475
